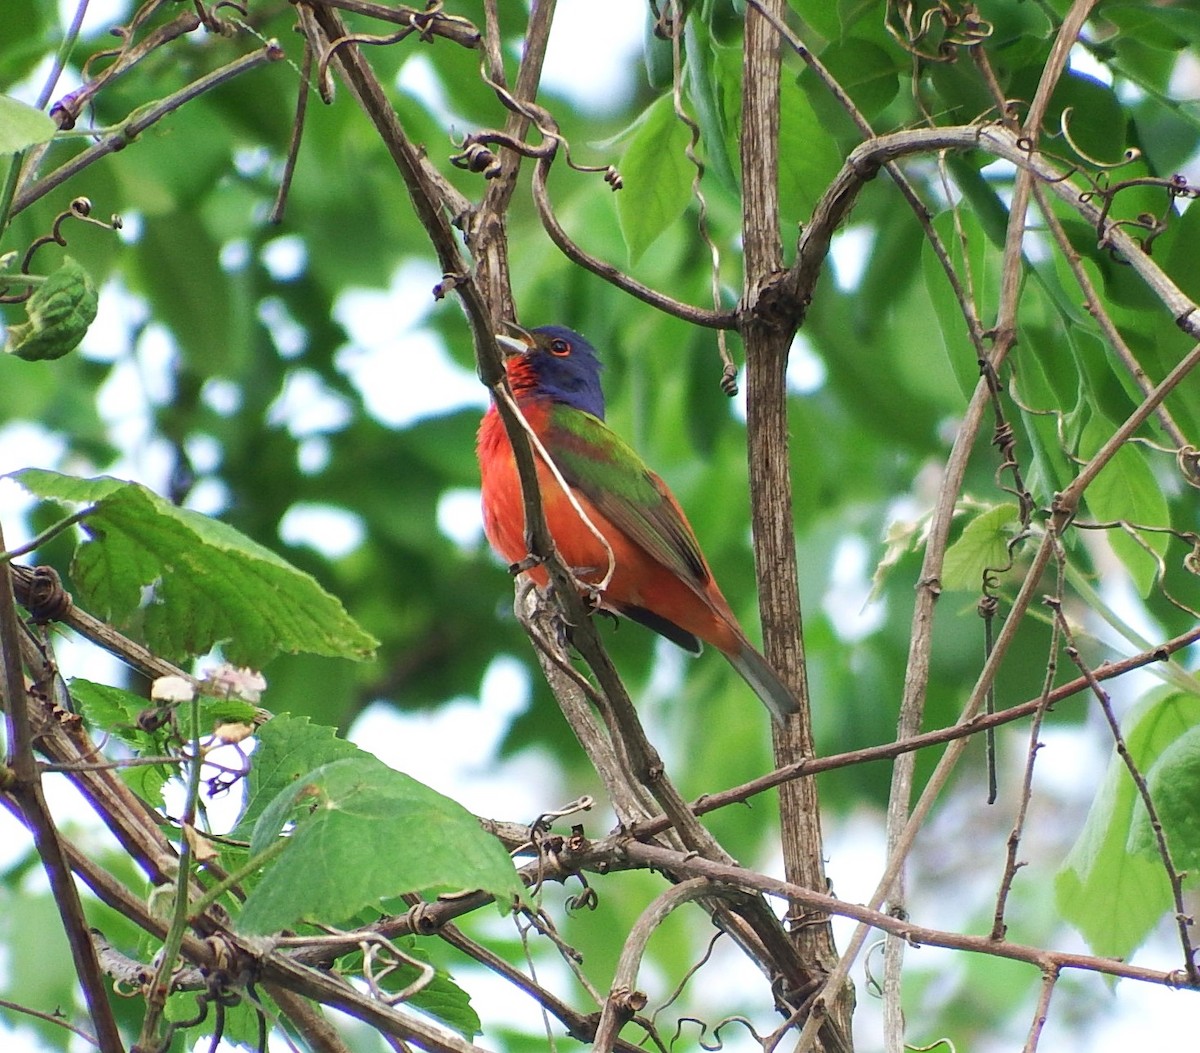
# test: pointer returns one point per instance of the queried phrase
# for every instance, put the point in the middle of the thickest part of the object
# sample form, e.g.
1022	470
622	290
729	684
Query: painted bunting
659	576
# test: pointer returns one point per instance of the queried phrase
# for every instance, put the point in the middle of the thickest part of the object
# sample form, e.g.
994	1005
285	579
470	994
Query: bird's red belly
638	580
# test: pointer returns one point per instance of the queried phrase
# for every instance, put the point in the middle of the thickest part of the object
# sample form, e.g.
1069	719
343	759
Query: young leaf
982	546
1111	892
22	126
115	712
59	311
657	176
364	832
1126	490
1174	783
208	583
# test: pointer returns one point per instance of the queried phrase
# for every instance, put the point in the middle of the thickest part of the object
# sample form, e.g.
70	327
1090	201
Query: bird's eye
560	347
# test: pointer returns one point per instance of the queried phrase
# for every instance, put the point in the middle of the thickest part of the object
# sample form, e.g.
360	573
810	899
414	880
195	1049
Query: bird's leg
590	593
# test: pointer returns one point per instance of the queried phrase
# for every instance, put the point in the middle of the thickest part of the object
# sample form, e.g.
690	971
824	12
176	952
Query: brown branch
138	121
22	781
1049	981
1011	865
428	23
768	322
915	935
614	276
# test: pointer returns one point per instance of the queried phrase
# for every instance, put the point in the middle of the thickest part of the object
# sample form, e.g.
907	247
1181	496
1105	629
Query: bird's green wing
602	466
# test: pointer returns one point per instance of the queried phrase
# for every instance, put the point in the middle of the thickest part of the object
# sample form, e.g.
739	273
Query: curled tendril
547	128
1188	460
960	26
81	209
729	383
477	157
585	899
381	958
1128	156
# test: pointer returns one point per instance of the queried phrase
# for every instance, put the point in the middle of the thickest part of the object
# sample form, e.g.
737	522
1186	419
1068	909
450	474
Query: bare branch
22	781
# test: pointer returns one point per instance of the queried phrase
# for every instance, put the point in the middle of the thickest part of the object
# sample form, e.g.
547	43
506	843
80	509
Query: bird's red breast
639	582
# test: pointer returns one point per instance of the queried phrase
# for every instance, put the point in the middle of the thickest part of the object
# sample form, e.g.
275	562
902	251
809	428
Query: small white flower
172	689
246	684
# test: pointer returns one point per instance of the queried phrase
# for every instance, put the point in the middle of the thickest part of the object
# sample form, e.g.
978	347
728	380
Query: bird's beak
520	340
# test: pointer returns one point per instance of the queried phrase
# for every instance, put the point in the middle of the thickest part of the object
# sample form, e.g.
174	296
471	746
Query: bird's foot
589	591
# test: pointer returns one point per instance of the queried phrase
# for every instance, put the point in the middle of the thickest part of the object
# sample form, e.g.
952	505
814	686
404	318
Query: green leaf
657	177
972	254
22	126
808	157
115	711
1107	888
364	833
288	748
868	73
208	583
1174	784
982	547
1126	490
59	311
703	70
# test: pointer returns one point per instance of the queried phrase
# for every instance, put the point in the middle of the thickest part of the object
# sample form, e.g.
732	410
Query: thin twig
1049	980
1011	865
624	999
128	130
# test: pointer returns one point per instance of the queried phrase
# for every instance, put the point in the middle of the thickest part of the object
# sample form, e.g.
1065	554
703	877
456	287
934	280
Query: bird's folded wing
604	468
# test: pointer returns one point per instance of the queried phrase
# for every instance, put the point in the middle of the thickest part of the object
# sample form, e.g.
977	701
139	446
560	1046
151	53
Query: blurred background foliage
299	381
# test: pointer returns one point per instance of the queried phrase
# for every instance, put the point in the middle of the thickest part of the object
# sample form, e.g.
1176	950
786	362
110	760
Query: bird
659	576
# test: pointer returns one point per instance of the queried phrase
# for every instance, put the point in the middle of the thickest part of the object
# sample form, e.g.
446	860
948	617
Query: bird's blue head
556	363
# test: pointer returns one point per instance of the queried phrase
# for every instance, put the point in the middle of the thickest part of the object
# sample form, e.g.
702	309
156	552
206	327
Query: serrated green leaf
60	311
1126	490
1174	784
209	583
1113	894
657	177
364	833
115	711
982	546
22	126
288	748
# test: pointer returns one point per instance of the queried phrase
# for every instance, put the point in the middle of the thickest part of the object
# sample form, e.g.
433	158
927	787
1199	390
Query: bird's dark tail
756	671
